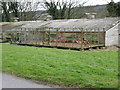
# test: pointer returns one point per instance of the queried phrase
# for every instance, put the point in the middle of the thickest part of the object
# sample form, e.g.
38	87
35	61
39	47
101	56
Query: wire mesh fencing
57	37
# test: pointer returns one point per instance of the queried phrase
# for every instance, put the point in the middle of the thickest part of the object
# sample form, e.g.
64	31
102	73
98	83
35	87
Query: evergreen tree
114	9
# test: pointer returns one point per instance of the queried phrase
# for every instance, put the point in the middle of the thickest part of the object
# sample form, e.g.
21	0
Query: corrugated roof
66	23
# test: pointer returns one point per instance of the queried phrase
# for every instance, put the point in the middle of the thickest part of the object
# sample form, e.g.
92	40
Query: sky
99	2
89	2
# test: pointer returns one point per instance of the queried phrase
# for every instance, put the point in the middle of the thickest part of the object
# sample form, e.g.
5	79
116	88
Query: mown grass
98	69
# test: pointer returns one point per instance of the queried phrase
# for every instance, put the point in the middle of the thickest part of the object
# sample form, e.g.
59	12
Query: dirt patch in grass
110	48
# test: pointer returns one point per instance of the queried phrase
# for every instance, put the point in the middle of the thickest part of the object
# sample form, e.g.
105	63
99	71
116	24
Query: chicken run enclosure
78	38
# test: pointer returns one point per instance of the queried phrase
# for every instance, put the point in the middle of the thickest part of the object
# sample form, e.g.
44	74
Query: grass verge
98	69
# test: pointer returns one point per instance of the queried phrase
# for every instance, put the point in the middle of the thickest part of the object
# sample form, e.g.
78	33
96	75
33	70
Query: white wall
112	36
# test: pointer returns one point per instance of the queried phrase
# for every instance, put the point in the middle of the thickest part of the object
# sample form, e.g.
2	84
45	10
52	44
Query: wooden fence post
98	36
64	36
73	38
49	37
93	37
57	37
36	36
104	35
43	32
29	38
82	39
21	36
25	35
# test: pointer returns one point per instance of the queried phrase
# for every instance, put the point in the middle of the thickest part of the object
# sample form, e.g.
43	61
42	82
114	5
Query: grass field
98	69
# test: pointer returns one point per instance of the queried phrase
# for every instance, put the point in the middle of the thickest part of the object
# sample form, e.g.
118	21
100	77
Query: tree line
114	9
26	11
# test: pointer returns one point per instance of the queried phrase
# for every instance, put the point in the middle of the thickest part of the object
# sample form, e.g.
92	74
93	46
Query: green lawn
97	69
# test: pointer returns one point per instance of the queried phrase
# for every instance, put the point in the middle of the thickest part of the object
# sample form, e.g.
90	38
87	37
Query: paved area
10	81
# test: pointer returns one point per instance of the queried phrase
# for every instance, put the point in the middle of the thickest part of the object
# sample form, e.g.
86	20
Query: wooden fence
56	37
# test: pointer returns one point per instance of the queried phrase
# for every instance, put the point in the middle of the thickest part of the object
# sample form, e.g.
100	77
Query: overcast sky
89	2
98	2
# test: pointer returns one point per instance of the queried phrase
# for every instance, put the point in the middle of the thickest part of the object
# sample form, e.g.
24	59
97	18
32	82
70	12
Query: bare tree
61	9
27	10
5	9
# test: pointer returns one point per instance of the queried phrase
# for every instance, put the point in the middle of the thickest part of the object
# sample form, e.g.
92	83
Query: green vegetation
27	11
114	9
21	11
97	69
9	7
60	10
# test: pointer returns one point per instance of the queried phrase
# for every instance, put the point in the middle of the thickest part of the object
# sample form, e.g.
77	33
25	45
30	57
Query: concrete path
10	81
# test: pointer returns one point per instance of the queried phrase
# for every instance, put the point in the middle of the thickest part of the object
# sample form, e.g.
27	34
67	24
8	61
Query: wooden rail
73	38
